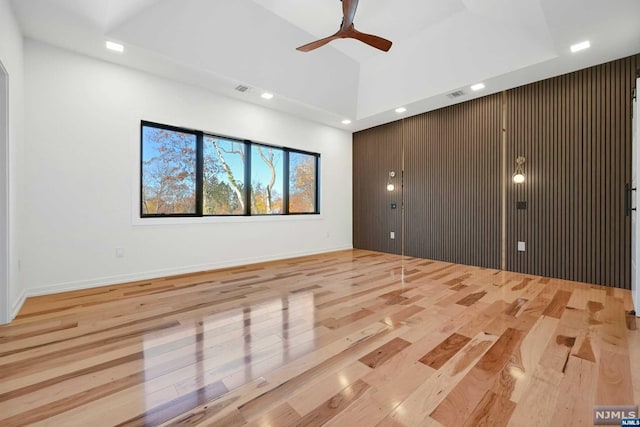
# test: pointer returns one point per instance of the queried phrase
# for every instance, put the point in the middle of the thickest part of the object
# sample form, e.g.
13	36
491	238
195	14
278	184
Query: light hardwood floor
352	338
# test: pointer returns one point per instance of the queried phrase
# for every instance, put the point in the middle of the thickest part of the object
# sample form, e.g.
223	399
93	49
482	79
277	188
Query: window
168	172
223	181
302	183
267	189
189	173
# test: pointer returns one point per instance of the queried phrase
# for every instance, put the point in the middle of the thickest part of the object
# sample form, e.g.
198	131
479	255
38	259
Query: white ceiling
439	46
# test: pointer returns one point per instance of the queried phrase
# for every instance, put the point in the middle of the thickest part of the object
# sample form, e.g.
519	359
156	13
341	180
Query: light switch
521	247
392	236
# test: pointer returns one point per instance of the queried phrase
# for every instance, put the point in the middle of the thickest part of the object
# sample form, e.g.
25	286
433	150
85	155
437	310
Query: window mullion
199	173
247	178
286	179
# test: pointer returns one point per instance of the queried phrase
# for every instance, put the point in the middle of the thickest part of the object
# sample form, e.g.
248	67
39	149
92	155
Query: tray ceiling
440	46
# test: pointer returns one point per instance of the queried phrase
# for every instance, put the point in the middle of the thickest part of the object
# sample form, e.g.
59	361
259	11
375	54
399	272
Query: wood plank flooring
351	338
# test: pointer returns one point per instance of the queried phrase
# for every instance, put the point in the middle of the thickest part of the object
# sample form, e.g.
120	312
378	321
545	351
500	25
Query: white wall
635	221
81	177
11	56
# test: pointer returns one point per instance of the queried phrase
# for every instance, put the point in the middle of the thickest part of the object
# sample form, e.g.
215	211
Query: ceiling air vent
456	94
241	88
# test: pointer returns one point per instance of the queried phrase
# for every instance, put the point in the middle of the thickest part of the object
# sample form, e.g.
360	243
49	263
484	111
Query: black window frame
247	163
248	144
316	178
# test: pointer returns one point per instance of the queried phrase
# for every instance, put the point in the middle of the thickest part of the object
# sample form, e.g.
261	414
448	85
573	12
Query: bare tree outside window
266	180
223	181
188	172
168	172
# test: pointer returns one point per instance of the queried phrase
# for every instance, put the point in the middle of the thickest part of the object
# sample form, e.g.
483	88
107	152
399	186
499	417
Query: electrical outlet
392	236
119	252
521	247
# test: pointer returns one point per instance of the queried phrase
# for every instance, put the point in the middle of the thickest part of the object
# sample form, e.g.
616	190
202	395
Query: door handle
627	199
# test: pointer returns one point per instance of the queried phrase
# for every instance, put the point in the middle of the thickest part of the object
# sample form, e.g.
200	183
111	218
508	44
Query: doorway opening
5	305
635	226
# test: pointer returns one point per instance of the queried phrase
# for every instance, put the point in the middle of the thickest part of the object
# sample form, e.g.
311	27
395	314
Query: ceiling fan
347	31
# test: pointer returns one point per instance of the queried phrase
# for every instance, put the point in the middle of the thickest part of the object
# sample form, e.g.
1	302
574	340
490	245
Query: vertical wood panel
575	132
426	230
376	152
453	183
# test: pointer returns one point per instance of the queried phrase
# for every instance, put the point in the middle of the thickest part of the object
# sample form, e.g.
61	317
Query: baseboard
17	305
124	278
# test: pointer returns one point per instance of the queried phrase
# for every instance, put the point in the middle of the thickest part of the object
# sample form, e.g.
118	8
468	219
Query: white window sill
155	221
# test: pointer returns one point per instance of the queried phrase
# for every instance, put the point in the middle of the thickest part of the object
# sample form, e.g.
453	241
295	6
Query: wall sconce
390	186
518	174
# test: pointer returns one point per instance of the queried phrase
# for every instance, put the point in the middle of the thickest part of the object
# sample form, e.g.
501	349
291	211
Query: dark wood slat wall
575	132
424	231
376	152
453	181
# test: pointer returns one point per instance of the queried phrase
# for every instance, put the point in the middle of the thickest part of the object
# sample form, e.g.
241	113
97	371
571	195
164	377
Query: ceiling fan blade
316	44
348	12
371	40
348	31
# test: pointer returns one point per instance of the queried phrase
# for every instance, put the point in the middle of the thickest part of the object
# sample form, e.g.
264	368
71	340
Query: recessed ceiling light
400	110
116	47
580	46
267	95
346	122
477	86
